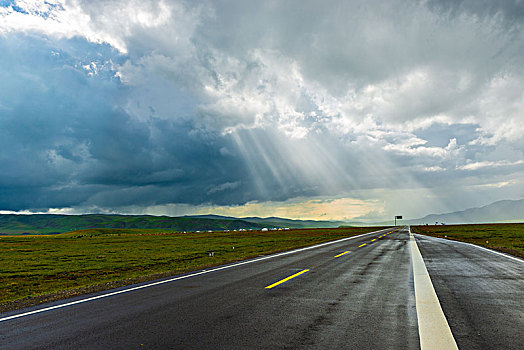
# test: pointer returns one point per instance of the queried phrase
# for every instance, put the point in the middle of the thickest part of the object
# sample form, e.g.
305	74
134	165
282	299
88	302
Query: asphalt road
362	299
481	293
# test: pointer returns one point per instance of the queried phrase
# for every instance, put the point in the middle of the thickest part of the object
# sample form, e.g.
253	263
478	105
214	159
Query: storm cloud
150	106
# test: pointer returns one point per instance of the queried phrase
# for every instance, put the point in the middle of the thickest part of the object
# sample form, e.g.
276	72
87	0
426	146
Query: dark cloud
227	102
64	141
512	10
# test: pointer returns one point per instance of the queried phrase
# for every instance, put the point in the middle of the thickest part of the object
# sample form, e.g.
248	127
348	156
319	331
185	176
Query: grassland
508	238
36	269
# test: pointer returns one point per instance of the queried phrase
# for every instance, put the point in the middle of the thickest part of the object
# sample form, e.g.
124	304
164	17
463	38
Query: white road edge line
484	248
433	328
202	272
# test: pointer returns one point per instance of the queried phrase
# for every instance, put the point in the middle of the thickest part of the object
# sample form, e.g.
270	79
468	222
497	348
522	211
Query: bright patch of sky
332	110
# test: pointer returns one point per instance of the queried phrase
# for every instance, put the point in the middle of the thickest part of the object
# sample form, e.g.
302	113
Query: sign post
397	217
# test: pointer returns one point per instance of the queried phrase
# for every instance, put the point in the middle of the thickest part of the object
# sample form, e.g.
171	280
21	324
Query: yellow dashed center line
336	256
286	279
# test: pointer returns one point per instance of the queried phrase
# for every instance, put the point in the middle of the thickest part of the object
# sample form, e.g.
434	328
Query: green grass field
507	238
37	269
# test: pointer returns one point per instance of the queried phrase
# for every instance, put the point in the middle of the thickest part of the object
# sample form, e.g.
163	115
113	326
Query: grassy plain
507	238
36	269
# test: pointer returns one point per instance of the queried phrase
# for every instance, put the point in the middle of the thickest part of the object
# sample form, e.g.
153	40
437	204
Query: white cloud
498	184
308	98
433	168
413	148
489	164
111	22
265	82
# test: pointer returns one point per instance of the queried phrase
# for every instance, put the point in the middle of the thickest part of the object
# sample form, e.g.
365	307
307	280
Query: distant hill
501	211
278	222
49	223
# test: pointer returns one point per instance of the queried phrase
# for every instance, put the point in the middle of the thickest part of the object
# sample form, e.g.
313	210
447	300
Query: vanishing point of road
388	289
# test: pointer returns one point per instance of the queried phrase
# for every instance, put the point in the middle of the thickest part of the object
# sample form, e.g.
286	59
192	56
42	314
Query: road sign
397	217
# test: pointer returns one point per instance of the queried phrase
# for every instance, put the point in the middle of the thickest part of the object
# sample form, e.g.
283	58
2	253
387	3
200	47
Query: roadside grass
37	269
508	238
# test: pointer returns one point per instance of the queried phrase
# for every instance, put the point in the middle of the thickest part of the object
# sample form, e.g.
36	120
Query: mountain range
277	222
51	224
501	211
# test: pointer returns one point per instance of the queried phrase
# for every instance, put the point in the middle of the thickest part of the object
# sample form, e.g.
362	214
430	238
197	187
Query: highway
367	292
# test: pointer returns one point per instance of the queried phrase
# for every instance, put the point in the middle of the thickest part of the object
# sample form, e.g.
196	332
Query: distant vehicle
264	229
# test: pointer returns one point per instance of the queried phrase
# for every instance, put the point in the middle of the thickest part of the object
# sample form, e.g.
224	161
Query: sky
327	110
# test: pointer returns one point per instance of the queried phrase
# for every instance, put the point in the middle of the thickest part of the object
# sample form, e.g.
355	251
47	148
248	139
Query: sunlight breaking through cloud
121	106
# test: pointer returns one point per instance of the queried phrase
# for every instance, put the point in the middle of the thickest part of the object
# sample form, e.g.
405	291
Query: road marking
362	245
202	272
336	256
484	248
433	328
373	240
286	279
